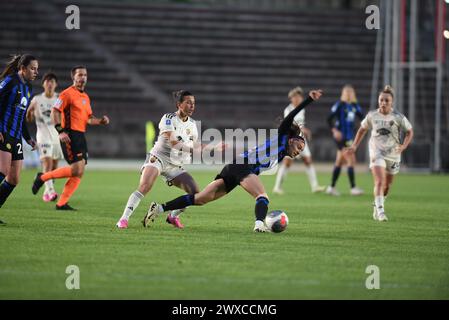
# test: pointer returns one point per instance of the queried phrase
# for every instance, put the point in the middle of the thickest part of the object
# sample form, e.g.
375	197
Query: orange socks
64	172
69	188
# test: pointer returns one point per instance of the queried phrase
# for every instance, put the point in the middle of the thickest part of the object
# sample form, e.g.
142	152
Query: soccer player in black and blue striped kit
15	97
342	123
246	169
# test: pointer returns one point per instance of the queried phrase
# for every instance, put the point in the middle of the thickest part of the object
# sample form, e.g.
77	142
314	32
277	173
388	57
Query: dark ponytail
179	95
16	62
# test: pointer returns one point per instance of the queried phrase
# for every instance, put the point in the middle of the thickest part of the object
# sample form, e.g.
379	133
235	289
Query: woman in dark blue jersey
342	123
15	97
246	169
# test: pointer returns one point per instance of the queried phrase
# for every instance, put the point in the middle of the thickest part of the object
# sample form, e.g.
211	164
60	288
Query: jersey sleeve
367	122
5	86
62	102
333	114
405	124
166	124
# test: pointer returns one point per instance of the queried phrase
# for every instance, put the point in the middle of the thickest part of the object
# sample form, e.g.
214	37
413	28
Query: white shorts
51	150
391	167
166	169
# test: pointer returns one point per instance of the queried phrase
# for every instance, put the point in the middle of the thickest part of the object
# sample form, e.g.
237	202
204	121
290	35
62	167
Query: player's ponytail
16	62
388	90
179	95
12	66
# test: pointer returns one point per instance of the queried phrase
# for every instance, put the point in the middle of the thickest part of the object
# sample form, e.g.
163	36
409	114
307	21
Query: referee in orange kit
71	114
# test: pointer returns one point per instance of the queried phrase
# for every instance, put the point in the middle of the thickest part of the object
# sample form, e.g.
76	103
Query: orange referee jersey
75	109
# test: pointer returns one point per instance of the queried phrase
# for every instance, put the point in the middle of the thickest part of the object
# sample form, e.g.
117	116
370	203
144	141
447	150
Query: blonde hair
388	90
354	96
294	91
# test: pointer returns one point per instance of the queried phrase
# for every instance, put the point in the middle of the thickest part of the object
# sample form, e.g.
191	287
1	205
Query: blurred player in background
176	130
385	147
47	137
296	97
341	121
246	169
15	97
71	114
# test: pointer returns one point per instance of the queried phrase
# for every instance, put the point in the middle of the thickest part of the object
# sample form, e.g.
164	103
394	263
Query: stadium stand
239	62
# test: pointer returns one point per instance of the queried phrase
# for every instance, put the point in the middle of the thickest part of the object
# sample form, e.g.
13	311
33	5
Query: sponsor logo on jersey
188	131
8	146
24	101
383	131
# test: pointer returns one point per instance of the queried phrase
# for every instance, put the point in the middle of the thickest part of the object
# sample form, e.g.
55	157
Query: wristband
59	128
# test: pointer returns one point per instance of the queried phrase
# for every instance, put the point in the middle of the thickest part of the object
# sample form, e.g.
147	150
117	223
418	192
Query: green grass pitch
323	254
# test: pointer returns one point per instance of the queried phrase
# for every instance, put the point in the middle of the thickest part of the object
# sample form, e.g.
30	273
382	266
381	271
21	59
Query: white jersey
185	131
386	131
46	132
300	118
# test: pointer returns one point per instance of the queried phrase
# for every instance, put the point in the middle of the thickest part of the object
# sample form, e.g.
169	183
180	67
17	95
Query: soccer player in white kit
47	137
385	147
177	133
296	97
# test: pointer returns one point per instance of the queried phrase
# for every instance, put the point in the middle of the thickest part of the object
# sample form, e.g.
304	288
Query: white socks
379	202
280	176
133	203
311	174
176	213
49	186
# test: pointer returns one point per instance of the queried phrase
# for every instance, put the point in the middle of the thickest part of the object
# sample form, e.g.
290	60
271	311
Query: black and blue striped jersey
342	117
15	98
267	155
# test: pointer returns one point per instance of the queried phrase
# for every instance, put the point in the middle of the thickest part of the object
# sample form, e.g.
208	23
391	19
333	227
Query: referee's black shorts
76	149
233	174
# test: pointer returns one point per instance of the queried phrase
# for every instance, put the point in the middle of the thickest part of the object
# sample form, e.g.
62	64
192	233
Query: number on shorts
19	148
395	165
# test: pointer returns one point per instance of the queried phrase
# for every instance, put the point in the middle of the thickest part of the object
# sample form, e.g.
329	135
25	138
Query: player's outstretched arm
288	120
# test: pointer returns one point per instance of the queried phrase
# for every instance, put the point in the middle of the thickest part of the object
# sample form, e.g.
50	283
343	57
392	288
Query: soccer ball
276	221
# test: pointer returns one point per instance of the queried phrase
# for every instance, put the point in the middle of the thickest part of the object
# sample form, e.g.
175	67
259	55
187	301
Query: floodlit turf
323	254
